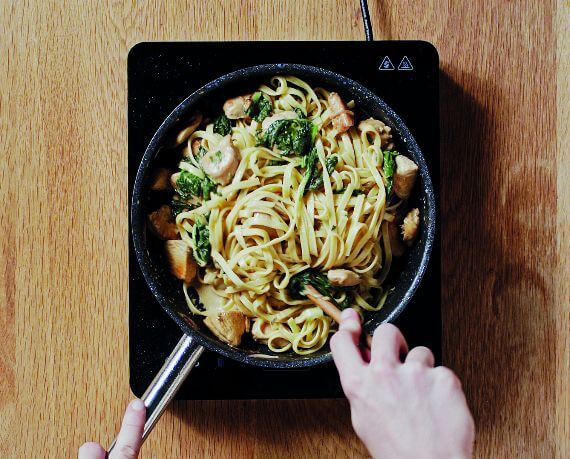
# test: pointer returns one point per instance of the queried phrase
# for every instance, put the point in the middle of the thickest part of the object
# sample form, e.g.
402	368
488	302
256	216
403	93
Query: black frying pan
167	289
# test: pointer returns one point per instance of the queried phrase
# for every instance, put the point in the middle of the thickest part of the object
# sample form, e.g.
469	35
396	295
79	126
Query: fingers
129	439
388	344
421	355
91	450
344	344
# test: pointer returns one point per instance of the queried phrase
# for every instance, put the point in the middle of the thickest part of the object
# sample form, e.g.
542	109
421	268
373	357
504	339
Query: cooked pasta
283	182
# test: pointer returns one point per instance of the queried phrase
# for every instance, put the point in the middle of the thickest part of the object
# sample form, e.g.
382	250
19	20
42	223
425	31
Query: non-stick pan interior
209	100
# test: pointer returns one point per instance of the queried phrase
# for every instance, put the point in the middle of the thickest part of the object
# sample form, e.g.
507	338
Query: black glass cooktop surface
160	76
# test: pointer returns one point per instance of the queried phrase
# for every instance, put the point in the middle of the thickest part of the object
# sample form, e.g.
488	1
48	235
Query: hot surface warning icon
386	64
405	64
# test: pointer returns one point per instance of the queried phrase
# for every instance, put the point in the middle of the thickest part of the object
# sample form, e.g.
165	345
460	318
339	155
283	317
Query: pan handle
166	383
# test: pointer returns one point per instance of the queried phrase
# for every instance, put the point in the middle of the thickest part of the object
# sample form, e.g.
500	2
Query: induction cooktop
160	76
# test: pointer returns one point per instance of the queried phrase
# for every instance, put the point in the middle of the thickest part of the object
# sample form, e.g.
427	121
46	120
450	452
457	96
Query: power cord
366	20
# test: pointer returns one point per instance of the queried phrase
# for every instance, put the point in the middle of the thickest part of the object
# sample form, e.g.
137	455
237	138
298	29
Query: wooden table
505	211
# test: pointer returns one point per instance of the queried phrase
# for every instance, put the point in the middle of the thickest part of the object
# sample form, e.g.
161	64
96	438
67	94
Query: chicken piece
342	118
411	226
229	326
237	107
288	115
162	224
404	176
161	180
343	277
261	331
263	221
193	124
396	246
179	255
221	163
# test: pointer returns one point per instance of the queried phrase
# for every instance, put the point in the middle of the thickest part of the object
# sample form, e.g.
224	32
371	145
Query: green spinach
222	125
201	242
316	181
388	166
291	136
260	107
189	185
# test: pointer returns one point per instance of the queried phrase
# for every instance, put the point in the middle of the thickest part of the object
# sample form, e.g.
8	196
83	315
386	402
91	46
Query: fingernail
138	405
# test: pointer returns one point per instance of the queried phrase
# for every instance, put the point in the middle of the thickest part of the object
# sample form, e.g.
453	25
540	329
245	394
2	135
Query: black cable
366	20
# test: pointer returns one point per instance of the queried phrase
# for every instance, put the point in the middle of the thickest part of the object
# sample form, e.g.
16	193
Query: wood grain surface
63	185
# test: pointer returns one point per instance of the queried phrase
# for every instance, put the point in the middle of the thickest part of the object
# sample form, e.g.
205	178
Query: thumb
129	440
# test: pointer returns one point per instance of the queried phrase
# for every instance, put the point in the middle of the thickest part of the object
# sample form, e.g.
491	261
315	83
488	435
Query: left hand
129	440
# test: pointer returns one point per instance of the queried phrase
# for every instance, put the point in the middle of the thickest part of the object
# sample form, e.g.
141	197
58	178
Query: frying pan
167	289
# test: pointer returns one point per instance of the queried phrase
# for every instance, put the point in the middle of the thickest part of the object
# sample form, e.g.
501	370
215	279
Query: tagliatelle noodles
252	264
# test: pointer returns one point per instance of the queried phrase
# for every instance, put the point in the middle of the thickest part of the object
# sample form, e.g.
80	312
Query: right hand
401	410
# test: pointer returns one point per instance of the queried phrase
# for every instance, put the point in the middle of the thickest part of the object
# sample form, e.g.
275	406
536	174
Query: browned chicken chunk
343	277
179	255
161	180
411	226
229	326
237	107
396	245
405	176
221	163
162	224
342	118
261	331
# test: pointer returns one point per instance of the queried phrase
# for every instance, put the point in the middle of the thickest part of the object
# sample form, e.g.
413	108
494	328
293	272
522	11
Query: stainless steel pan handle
166	383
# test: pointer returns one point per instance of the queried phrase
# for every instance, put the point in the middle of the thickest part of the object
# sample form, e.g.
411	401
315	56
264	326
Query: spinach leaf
388	168
260	107
301	136
312	277
292	136
300	113
189	185
179	205
222	125
278	132
208	186
201	242
317	181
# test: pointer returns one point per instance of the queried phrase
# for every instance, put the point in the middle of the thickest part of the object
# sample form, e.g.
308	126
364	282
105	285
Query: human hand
401	410
129	439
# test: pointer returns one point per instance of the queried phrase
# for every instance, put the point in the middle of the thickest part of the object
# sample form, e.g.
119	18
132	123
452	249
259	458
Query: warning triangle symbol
386	64
405	64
